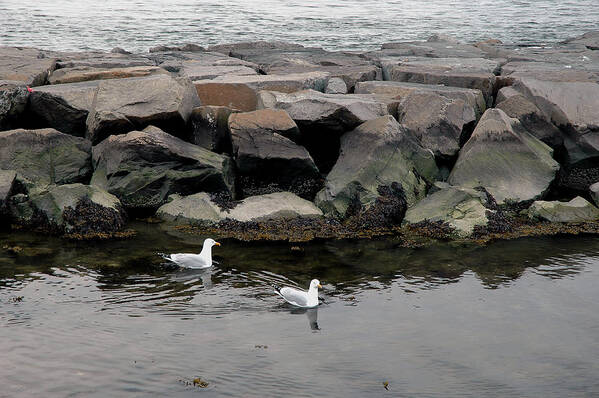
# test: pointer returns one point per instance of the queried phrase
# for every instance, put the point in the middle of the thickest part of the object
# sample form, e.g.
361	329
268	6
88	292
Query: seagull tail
277	289
165	256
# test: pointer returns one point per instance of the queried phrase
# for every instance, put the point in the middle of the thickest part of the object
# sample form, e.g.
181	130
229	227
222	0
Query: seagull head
210	242
315	284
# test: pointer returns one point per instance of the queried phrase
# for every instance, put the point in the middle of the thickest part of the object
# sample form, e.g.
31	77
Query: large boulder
378	153
27	65
210	128
143	167
199	65
12	105
131	104
589	39
461	208
441	124
77	210
576	210
437	46
101	60
64	107
87	73
201	209
8	180
594	191
267	159
323	118
46	156
505	159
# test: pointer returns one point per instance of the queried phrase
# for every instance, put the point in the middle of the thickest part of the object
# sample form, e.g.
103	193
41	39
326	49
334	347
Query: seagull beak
216	244
319	286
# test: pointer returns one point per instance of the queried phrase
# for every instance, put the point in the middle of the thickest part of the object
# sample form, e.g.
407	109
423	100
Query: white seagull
301	298
195	261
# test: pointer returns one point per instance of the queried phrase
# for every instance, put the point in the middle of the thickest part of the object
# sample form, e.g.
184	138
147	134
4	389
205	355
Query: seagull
195	261
301	298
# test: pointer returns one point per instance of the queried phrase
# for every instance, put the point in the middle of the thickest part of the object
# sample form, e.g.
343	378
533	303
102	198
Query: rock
594	191
8	180
254	45
64	107
548	71
101	60
128	104
461	208
576	210
77	210
12	105
266	158
590	40
87	73
323	118
46	156
400	90
336	85
203	65
200	209
143	167
441	124
210	128
504	93
439	47
27	65
505	159
531	117
377	153
240	92
119	50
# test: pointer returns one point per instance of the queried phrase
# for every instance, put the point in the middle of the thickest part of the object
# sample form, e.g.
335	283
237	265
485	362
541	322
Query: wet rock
589	39
267	159
505	159
201	209
64	107
576	210
28	65
210	128
461	208
240	92
594	191
119	50
143	167
323	118
336	85
46	156
8	180
128	104
377	153
441	124
77	210
12	105
87	73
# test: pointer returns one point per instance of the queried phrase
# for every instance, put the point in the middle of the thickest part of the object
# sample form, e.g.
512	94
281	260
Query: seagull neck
313	292
206	252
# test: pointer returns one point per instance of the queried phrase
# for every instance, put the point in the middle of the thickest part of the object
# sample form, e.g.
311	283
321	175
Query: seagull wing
294	296
189	260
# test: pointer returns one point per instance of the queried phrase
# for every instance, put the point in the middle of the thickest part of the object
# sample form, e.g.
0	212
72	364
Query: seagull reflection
311	313
188	274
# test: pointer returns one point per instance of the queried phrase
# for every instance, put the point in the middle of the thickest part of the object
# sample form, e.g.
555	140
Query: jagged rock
441	124
12	105
186	47
437	46
589	39
504	158
267	159
323	118
240	92
504	93
46	156
549	71
576	210
80	211
143	167
210	128
87	73
594	191
119	50
64	107
101	60
336	85
27	65
8	179
461	208
128	104
377	153
201	209
228	48
400	90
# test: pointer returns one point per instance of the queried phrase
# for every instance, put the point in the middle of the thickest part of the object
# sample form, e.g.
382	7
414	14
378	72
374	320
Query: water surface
109	320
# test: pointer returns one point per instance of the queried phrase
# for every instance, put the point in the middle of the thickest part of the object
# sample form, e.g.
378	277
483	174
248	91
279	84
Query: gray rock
266	159
210	128
128	104
254	45
441	124
28	65
576	210
64	107
504	158
45	157
200	209
504	93
437	46
101	60
12	105
8	179
377	153
240	92
336	85
594	191
590	40
143	167
119	50
462	208
88	73
78	210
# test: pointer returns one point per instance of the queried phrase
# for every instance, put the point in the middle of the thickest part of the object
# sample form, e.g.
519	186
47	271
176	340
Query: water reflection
311	314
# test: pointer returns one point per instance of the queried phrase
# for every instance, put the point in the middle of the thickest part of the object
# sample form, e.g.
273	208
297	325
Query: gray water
332	24
514	319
